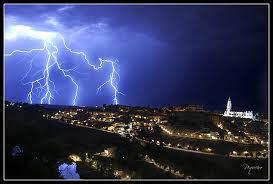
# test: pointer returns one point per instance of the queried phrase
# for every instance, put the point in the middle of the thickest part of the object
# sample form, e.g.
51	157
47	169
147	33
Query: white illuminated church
229	113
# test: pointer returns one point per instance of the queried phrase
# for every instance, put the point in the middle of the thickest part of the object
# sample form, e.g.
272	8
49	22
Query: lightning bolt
45	84
111	81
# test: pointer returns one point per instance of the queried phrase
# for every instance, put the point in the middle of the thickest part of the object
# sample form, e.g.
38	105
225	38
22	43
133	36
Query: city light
75	158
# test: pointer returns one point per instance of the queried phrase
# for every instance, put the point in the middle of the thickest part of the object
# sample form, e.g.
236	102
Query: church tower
229	113
228	105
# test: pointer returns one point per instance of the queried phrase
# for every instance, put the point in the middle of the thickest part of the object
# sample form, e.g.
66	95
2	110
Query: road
180	149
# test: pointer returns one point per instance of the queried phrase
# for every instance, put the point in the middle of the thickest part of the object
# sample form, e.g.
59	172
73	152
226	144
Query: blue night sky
167	55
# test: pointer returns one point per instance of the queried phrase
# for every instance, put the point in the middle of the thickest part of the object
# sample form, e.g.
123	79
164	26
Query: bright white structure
229	113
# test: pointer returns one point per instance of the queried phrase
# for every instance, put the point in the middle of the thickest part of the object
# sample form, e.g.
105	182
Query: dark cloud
167	54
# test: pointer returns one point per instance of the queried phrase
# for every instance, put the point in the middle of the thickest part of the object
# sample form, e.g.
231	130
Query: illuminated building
229	113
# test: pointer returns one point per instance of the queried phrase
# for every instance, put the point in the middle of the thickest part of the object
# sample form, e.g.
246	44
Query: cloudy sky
167	55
